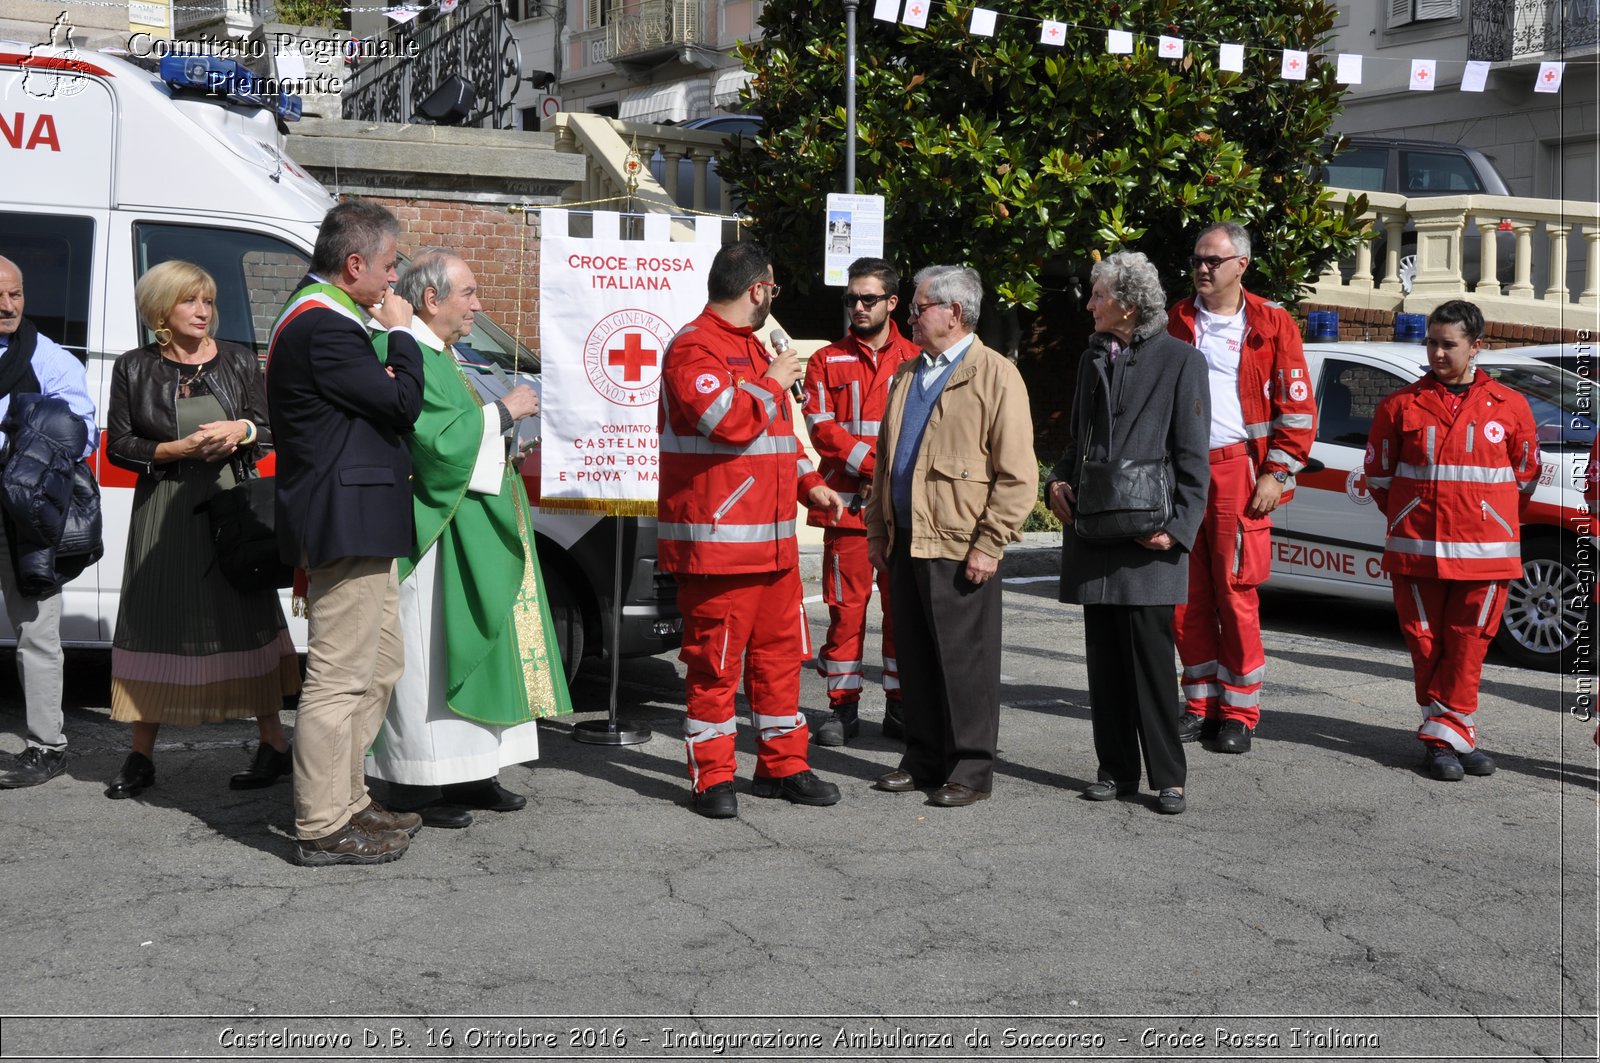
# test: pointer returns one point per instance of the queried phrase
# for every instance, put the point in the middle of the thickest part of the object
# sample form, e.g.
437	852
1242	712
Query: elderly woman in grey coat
1158	406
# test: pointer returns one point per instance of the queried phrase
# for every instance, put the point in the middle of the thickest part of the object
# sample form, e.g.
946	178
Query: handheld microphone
780	343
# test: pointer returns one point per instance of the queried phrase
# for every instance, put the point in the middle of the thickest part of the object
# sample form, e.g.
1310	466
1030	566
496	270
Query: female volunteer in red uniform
1451	461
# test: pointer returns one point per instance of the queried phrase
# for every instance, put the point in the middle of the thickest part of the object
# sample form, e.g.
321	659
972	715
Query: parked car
1329	539
733	125
1421	168
1578	357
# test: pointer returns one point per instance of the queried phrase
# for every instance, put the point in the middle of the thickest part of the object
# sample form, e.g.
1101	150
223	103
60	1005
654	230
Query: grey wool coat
1161	401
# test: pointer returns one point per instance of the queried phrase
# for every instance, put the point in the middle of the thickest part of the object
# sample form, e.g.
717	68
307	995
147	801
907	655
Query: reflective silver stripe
891	665
1489	511
1472	433
1409	506
1379	483
814	419
827	667
1416	599
1525	449
1248	679
772	727
768	402
1238	554
727	503
1433	437
1284	458
822	401
844	682
1488	604
838	595
1203	670
1452	551
855	400
858	454
702	730
1197	691
1386	454
1449	735
672	443
804	467
1461	474
863	428
1259	430
1293	420
1239	699
715	412
890	681
725	533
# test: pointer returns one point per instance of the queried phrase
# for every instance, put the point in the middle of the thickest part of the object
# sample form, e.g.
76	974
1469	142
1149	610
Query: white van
108	170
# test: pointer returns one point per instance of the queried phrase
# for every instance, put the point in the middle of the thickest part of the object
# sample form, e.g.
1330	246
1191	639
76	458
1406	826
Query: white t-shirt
1220	338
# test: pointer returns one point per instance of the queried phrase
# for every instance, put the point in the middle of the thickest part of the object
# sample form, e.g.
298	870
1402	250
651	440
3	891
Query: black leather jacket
144	405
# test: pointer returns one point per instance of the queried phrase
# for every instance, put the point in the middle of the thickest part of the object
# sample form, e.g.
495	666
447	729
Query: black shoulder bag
1120	499
243	532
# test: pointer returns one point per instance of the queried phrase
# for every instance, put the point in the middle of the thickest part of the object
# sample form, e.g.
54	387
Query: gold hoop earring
163	335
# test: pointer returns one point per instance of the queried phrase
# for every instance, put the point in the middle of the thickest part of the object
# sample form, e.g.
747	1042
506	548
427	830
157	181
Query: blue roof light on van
231	79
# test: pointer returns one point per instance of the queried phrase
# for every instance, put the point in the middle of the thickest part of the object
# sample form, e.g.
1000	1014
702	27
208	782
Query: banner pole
609	731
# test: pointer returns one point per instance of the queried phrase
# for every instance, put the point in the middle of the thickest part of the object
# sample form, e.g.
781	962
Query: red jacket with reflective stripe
1451	485
847	388
1280	411
732	471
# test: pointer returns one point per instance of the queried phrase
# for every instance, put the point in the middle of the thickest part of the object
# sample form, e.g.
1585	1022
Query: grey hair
354	227
1238	235
1131	279
953	284
430	269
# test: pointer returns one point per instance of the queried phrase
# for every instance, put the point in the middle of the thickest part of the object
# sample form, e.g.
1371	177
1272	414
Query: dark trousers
1132	700
947	642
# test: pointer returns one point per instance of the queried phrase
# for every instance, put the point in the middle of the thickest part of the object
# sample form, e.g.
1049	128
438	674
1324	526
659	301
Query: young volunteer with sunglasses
847	387
1263	420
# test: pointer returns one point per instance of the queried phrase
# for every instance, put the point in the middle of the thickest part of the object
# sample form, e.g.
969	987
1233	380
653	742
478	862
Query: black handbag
243	533
1120	499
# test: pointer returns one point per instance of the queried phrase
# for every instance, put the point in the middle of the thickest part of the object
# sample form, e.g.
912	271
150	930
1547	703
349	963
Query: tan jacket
976	478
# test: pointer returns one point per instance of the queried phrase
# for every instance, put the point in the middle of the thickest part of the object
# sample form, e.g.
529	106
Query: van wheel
566	612
1545	608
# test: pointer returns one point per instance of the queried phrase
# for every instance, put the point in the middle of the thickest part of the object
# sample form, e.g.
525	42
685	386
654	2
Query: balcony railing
649	26
476	44
190	16
1554	245
1517	29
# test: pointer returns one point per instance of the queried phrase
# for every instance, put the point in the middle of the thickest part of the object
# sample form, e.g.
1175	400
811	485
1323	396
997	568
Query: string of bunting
1293	63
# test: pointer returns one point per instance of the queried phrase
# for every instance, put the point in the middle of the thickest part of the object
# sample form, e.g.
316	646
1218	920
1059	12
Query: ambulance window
255	273
1348	398
56	256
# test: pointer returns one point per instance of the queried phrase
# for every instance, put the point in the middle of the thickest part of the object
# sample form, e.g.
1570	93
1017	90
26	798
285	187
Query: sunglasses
868	301
1210	261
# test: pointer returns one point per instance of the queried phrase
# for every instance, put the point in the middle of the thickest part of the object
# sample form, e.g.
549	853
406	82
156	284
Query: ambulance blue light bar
230	79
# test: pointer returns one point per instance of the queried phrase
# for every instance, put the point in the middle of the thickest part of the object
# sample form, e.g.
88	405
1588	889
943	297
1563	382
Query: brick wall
502	249
1357	323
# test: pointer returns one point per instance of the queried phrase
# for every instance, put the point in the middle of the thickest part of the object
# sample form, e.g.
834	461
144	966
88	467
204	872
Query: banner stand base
609	733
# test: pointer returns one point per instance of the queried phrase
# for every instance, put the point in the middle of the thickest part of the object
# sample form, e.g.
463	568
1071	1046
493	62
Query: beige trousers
354	658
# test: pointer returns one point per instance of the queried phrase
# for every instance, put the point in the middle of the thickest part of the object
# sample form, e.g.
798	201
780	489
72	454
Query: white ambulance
1329	539
110	166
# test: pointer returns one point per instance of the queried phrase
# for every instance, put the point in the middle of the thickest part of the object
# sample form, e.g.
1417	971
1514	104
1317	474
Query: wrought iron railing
473	42
652	25
1511	29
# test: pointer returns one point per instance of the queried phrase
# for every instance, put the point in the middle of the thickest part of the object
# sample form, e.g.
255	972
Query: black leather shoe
1476	762
1105	790
836	730
443	815
1442	763
375	819
717	802
268	767
897	782
893	724
1170	802
351	845
957	795
803	788
1190	726
486	795
138	773
1234	737
34	766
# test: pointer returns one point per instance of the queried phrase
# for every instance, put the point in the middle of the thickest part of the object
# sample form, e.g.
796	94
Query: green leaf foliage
1028	161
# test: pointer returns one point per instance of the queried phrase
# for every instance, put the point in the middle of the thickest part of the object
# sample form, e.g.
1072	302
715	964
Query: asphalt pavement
1321	899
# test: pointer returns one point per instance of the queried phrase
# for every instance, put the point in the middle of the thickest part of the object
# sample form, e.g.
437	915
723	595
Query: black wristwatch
1281	475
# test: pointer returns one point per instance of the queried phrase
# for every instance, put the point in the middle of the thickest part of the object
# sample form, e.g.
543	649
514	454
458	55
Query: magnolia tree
1029	160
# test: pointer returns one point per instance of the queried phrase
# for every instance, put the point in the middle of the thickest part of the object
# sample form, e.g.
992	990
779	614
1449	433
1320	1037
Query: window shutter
1429	9
1399	13
596	13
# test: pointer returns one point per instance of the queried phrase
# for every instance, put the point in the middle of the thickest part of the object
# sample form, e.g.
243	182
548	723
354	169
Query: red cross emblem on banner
1549	75
1170	47
916	11
1055	31
632	356
1294	64
1422	75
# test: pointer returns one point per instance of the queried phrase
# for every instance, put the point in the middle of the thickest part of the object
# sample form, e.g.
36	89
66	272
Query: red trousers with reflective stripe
847	580
1448	624
754	622
1218	631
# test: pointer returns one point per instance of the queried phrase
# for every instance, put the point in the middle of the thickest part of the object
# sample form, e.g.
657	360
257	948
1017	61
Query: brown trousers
354	659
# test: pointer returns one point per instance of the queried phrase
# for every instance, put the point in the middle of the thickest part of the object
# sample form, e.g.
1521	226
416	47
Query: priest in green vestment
482	664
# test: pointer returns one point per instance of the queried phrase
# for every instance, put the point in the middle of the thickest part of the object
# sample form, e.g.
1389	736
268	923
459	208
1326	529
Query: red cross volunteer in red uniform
1451	462
847	388
732	478
1263	421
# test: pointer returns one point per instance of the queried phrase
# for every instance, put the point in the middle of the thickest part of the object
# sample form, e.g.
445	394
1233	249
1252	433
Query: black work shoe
1443	764
893	724
1105	790
803	788
138	773
485	795
1170	802
1234	737
836	730
268	767
34	766
717	802
1477	762
1190	727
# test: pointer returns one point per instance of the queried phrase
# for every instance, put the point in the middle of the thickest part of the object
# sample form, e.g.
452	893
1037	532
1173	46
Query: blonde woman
187	413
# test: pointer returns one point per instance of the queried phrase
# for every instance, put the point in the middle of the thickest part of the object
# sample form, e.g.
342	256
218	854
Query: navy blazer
344	471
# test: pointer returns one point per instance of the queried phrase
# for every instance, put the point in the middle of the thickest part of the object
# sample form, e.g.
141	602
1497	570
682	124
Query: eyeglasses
1211	261
776	288
868	301
918	309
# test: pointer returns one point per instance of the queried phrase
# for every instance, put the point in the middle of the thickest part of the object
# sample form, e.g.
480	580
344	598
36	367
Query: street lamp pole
850	95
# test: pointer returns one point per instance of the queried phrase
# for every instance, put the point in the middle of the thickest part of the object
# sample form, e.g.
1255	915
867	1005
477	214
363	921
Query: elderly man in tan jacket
955	478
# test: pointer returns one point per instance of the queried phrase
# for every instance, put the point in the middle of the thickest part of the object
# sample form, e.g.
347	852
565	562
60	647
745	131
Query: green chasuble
502	662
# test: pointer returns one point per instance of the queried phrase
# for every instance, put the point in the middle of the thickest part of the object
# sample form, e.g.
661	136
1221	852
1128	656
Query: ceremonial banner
607	310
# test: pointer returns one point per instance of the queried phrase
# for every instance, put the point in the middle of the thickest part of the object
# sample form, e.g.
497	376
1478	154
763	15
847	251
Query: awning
659	103
726	86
